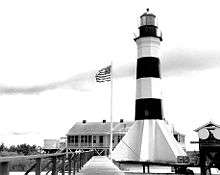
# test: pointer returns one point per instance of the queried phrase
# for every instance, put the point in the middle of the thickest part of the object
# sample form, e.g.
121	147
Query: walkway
100	165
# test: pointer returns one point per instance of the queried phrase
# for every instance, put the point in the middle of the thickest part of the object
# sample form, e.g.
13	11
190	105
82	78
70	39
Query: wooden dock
63	163
84	163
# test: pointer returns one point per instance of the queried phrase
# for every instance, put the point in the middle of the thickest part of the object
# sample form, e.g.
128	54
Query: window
82	139
76	139
90	139
70	139
176	137
94	139
100	139
150	20
143	20
179	138
119	138
182	139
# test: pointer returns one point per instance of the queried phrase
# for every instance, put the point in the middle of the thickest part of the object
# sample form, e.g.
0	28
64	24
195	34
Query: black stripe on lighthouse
148	108
148	67
148	104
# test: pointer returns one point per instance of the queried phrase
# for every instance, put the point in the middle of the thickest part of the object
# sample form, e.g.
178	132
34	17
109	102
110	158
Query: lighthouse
149	138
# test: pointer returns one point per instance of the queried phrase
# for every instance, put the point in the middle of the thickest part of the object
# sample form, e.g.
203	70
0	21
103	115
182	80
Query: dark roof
122	127
209	124
148	14
97	128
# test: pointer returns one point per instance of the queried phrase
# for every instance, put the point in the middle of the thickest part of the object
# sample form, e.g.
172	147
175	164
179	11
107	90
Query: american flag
103	75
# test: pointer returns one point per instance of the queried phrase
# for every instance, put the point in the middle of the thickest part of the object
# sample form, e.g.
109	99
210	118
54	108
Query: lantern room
148	19
148	26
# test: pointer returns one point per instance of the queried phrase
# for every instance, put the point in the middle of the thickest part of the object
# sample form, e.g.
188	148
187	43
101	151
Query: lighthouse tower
149	138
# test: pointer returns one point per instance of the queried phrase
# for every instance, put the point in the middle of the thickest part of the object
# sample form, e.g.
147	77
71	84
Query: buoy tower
149	139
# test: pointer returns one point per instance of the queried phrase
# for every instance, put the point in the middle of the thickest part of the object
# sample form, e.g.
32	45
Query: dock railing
58	162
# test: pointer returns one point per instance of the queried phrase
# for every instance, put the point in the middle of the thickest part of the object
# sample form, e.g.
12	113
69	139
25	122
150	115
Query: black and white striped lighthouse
148	89
149	138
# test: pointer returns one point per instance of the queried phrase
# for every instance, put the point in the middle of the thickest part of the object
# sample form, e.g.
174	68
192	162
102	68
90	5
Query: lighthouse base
148	140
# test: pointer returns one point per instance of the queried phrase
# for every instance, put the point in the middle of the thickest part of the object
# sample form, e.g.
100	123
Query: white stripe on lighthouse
148	47
148	88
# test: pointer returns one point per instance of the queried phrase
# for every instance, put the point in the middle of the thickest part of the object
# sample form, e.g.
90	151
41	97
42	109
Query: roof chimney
103	121
121	120
84	121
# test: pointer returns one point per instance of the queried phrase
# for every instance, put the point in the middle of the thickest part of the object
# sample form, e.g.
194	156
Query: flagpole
111	113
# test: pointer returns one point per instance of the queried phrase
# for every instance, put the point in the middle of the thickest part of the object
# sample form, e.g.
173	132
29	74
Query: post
111	113
70	164
38	166
54	167
4	168
143	168
74	165
66	146
148	168
80	161
84	158
63	165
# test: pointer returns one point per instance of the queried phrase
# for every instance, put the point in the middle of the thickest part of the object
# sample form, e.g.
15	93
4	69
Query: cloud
181	61
18	133
22	133
174	63
77	82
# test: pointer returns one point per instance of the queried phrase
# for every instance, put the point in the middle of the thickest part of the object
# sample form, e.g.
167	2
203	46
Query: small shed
209	146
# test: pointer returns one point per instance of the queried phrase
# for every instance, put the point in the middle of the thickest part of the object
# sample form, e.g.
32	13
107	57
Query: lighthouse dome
148	19
148	14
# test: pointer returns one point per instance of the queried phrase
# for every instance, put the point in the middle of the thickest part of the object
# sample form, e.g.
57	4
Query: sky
51	50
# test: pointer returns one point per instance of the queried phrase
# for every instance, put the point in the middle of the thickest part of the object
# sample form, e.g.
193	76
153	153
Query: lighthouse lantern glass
151	20
143	20
148	19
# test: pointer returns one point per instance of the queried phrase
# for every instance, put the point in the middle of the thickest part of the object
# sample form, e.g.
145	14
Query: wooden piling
4	168
38	166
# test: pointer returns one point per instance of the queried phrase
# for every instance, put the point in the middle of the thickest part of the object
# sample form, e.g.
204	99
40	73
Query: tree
2	147
12	148
27	149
